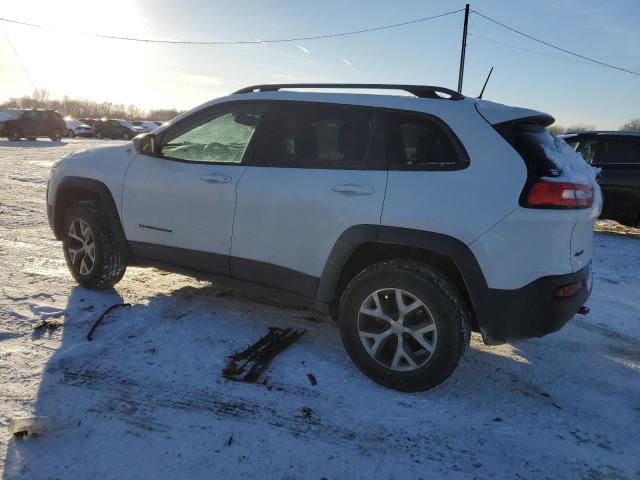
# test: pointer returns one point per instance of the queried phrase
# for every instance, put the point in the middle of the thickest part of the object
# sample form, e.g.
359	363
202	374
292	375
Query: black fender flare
458	252
106	201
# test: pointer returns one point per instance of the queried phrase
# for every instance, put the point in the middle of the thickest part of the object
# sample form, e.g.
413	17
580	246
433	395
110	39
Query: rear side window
621	150
418	142
320	136
6	115
530	140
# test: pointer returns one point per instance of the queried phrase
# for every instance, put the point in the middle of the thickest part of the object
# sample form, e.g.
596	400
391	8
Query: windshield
126	123
9	115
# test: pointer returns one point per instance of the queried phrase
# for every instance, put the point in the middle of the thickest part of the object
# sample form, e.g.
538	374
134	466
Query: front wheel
70	133
404	325
126	136
90	247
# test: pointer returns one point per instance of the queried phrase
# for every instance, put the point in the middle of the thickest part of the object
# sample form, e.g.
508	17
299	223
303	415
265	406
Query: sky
68	61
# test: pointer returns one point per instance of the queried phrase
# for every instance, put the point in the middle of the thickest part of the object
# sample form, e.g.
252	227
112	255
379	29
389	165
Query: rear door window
418	142
320	136
621	151
588	148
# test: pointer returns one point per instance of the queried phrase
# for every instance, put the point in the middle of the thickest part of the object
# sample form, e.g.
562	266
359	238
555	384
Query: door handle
216	178
351	189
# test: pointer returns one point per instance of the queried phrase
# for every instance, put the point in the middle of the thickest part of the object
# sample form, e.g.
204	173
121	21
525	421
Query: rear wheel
126	136
98	135
403	324
56	135
14	134
90	247
70	133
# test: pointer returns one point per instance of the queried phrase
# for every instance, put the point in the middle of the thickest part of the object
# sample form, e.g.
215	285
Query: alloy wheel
81	246
397	329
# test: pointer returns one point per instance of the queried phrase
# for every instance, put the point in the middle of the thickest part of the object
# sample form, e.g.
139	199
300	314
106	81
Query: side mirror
145	143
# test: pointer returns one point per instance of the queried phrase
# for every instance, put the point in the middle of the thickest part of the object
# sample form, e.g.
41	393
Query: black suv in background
31	124
618	155
115	128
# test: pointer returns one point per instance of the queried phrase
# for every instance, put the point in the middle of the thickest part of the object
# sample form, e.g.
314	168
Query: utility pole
464	48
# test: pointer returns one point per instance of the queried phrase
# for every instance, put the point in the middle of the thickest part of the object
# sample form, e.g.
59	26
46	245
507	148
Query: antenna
485	83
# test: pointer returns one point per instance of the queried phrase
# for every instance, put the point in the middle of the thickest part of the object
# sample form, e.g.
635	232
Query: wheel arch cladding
76	189
363	245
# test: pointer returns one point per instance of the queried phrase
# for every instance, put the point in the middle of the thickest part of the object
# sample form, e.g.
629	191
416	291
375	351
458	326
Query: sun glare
68	60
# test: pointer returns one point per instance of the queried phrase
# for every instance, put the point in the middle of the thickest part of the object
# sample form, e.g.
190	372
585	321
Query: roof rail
422	91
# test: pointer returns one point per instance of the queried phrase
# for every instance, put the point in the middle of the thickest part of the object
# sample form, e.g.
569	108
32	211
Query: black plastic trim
195	260
344	247
533	311
274	276
422	91
56	218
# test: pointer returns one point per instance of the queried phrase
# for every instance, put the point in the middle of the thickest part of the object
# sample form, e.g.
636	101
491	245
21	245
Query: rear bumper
533	310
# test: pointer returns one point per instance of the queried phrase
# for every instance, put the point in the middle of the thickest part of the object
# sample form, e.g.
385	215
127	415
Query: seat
305	145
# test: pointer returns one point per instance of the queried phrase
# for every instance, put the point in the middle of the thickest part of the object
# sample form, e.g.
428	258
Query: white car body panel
106	164
496	113
173	195
292	217
461	203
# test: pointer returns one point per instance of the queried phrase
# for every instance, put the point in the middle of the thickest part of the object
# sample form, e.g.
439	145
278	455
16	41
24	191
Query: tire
108	265
435	313
56	135
32	139
71	133
126	136
14	134
98	135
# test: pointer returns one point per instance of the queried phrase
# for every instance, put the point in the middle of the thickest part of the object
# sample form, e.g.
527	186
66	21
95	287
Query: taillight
545	194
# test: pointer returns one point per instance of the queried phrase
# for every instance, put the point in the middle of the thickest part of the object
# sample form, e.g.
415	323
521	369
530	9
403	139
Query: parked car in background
75	128
115	128
618	155
31	124
88	121
146	125
410	220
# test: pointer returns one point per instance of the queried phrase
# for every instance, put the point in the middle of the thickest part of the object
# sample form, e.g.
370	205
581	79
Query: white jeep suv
411	220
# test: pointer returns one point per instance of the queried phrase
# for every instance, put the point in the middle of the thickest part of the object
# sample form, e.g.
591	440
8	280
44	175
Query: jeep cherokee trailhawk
411	220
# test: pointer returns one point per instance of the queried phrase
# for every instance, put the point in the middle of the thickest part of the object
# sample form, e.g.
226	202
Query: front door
178	205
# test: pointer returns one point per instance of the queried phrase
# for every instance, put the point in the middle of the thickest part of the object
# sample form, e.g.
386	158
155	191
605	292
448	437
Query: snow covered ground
146	398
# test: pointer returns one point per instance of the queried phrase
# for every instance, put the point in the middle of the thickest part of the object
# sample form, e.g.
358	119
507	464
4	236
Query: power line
15	52
555	46
247	42
533	51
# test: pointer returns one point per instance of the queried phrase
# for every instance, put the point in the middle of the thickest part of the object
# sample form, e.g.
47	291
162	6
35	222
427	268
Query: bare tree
632	125
556	130
40	96
82	108
581	127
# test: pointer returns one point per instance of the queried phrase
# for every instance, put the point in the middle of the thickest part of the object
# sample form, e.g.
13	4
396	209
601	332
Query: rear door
30	123
317	174
619	158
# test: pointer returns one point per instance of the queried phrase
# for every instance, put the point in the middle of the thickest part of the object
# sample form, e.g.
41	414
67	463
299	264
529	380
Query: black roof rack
422	91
